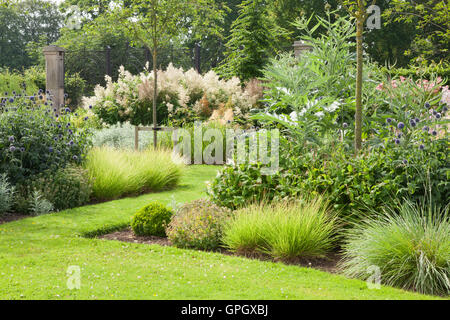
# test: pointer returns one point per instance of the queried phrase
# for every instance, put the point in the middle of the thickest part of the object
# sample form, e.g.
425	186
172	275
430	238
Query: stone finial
300	47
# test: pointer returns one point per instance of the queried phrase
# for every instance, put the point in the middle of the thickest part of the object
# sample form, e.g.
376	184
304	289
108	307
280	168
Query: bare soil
12	217
328	264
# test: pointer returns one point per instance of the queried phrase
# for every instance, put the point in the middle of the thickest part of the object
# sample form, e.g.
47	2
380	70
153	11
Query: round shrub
198	224
411	248
151	220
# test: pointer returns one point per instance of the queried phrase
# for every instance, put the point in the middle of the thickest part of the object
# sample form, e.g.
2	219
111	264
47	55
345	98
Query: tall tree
254	39
23	22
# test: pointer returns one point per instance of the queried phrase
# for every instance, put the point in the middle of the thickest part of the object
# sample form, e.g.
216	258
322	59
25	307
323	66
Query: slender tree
357	8
156	23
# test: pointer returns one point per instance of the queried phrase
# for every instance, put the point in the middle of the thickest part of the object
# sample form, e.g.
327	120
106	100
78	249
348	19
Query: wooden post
136	138
54	67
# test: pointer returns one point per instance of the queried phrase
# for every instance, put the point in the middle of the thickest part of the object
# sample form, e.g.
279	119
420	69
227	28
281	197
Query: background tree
22	23
431	21
253	40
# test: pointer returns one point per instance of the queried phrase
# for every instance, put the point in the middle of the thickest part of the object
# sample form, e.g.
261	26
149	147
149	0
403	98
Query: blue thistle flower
389	120
434	133
397	141
86	118
75	158
426	128
345	124
444	109
50	149
427	105
412	123
417	120
438	116
22	149
11	139
401	125
11	100
422	147
405	162
434	112
12	148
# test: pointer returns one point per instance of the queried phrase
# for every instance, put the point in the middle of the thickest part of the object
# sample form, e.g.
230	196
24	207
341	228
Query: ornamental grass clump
198	224
284	230
410	246
116	173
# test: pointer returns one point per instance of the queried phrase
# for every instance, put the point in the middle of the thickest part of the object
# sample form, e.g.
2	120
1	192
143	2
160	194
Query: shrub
198	225
240	185
183	97
151	220
6	194
411	247
33	139
283	230
66	188
116	173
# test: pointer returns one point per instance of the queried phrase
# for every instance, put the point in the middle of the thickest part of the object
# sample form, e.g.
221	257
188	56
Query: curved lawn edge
36	252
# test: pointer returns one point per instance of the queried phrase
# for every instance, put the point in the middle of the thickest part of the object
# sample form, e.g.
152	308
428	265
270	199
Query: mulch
328	264
12	217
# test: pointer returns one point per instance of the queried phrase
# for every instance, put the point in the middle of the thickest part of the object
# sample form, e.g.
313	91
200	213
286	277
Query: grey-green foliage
39	205
121	137
6	194
312	91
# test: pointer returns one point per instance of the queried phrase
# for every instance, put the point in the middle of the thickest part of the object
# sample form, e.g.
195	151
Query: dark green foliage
23	23
198	224
151	220
66	188
252	42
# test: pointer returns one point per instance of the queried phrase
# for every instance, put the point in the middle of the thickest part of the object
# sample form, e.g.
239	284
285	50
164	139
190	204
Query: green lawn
36	252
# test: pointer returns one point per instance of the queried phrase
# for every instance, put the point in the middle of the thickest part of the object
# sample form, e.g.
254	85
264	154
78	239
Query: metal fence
93	65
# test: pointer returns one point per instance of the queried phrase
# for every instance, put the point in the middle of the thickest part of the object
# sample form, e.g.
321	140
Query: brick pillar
300	47
54	67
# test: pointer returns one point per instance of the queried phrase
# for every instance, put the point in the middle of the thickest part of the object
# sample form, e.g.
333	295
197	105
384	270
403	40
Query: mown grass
35	254
117	172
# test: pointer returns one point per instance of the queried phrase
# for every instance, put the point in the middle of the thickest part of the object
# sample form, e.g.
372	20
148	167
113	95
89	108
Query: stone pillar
54	67
300	47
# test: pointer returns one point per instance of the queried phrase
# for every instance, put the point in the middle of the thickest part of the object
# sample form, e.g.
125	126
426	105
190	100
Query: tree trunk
155	98
359	81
